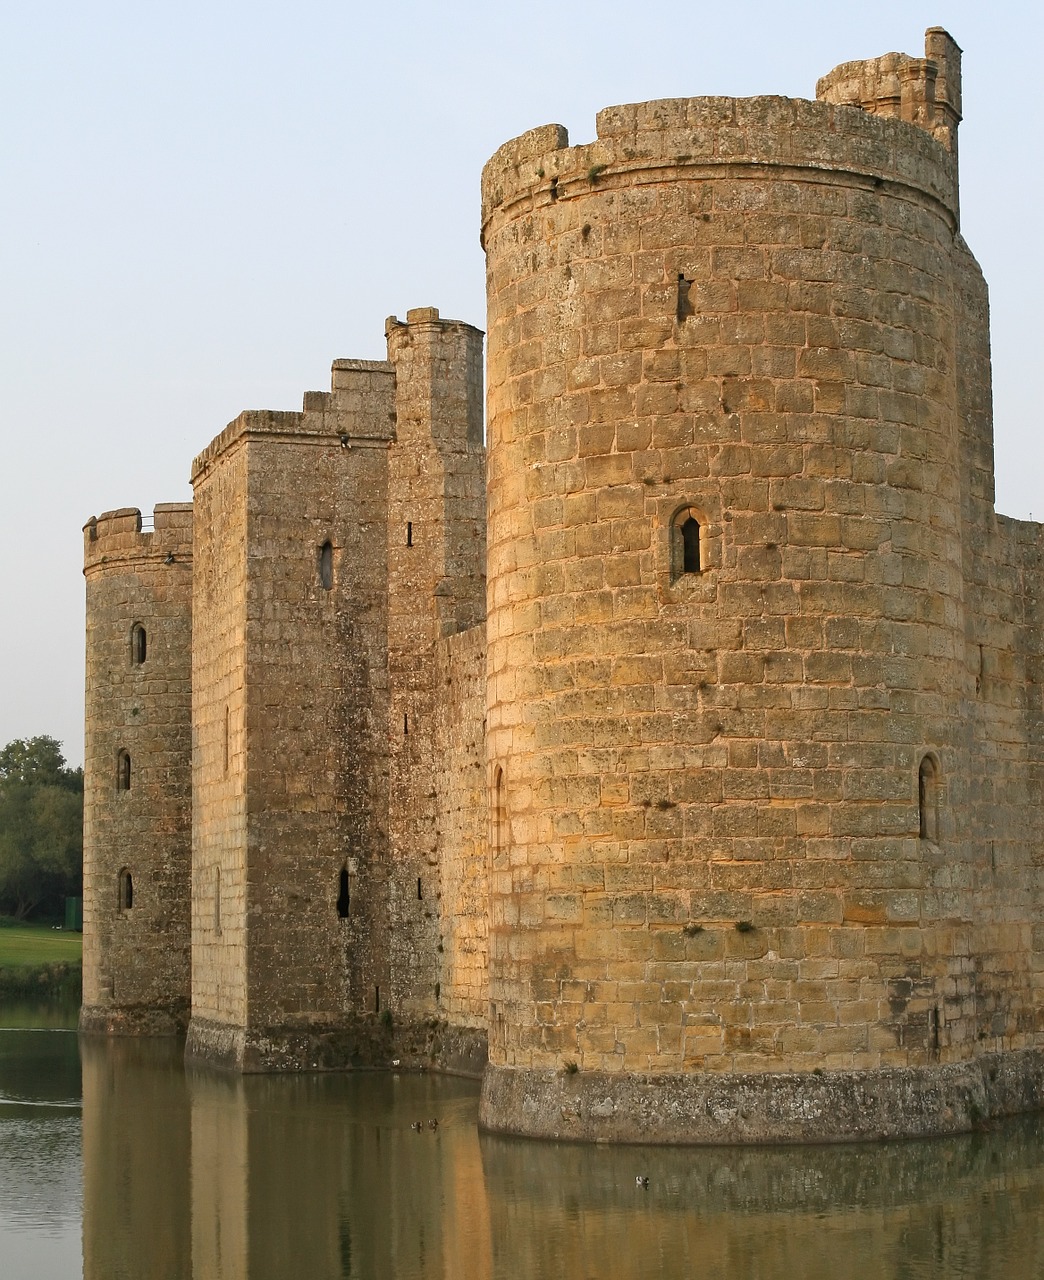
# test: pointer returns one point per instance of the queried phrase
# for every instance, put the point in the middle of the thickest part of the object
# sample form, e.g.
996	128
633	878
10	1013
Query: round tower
137	771
725	618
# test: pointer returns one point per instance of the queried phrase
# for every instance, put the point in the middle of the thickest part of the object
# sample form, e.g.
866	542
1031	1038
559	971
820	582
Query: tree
41	826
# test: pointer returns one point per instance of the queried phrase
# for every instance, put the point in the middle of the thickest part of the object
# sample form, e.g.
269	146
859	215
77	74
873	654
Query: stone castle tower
710	794
137	771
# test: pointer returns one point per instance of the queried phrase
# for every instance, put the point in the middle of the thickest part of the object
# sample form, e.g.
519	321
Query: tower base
713	1107
365	1042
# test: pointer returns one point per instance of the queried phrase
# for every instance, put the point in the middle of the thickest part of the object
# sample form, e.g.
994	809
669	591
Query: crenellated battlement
418	319
694	137
922	91
122	536
355	410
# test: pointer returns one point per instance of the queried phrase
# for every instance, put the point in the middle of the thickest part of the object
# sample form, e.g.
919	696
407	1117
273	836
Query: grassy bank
25	946
38	960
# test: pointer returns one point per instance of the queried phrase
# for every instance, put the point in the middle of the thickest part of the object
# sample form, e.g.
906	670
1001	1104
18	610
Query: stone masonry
709	797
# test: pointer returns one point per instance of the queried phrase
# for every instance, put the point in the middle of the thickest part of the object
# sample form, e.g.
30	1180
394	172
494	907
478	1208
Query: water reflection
942	1208
40	1188
321	1176
212	1177
136	1203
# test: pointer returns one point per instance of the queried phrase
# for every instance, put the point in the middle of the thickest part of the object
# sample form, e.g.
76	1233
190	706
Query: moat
117	1163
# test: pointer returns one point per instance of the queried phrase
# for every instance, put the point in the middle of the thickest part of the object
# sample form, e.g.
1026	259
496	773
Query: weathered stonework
778	814
725	825
137	784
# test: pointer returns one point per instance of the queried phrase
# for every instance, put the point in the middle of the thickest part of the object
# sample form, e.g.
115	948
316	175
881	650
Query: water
162	1174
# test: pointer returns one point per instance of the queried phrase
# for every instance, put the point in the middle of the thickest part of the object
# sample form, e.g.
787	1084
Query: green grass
25	946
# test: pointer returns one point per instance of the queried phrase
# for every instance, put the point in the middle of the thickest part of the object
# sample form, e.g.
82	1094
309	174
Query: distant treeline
41	829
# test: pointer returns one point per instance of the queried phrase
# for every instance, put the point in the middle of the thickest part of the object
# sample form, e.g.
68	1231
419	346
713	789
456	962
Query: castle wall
715	854
1002	985
219	817
994	1004
461	824
137	799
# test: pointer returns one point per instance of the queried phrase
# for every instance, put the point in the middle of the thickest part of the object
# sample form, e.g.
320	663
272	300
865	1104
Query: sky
204	204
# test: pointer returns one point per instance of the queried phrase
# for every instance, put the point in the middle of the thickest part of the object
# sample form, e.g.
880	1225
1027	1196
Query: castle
677	765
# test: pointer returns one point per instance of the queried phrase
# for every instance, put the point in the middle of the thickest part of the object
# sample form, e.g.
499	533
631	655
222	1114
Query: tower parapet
137	770
922	91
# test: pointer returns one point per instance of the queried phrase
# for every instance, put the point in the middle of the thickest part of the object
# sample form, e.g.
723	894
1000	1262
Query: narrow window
227	735
690	532
138	644
438	991
326	566
123	771
420	893
687	551
409	533
685	307
344	897
498	814
376	999
217	899
126	890
405	723
928	799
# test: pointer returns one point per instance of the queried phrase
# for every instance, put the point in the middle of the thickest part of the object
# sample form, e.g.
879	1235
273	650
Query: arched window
688	554
344	897
138	644
326	566
125	899
928	799
123	771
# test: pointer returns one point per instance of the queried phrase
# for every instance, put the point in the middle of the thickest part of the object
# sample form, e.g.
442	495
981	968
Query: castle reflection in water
222	1178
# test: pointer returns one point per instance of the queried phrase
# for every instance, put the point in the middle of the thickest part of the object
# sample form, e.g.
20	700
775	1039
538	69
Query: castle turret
725	617
436	589
137	771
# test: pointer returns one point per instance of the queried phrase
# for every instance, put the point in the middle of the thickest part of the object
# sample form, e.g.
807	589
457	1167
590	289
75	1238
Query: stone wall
994	1005
461	823
137	786
219	820
736	778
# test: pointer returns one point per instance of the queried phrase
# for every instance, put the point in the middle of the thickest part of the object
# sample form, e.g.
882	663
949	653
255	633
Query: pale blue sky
204	204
